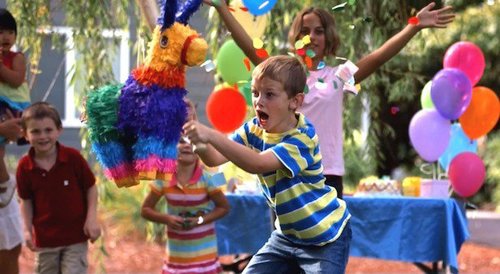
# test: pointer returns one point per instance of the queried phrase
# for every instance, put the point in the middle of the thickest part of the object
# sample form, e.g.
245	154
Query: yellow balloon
253	25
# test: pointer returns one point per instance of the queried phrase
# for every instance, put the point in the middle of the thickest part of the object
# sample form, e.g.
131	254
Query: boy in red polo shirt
59	195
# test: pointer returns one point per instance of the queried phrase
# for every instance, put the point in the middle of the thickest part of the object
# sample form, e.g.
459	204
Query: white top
323	107
11	229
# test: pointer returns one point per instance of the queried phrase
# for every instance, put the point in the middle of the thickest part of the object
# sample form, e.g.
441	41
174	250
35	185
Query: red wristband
413	20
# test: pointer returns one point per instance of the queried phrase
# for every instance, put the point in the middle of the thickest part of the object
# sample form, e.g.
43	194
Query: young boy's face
7	39
274	110
42	134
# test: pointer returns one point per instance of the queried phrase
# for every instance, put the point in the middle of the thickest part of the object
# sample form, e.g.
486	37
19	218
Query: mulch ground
132	254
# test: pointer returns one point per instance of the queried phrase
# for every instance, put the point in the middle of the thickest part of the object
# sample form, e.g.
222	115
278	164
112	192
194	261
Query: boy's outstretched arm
220	149
239	34
91	227
427	17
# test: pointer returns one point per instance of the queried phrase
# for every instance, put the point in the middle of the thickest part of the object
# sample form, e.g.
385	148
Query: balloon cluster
228	109
452	95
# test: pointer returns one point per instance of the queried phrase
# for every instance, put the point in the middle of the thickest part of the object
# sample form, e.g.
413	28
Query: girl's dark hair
7	21
332	40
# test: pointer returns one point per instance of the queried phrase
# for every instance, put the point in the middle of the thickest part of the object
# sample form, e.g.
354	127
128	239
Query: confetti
257	43
394	110
208	65
321	65
299	44
339	7
301	52
335	85
262	53
306	89
306	39
308	62
263	5
320	85
247	63
310	53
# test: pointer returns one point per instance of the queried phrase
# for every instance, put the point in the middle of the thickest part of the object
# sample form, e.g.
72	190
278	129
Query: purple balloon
429	134
451	92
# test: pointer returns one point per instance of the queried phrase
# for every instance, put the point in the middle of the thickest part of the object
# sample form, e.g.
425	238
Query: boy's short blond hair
38	111
287	70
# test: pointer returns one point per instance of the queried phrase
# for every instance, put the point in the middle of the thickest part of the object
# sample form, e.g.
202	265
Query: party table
415	230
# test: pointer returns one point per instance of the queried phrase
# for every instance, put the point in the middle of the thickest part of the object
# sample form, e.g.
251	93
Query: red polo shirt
58	195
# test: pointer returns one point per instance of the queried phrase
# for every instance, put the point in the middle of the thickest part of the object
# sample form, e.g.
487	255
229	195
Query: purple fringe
152	111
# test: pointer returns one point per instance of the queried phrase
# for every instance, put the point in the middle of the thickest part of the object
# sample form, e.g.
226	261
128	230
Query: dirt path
133	255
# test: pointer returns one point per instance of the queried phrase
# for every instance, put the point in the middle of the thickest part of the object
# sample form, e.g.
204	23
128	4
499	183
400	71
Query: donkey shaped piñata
134	128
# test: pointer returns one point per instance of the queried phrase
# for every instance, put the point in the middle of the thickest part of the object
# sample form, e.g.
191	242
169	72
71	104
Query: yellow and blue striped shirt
308	211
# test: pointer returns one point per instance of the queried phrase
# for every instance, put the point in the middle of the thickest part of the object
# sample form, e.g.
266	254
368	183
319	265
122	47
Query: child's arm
10	128
220	149
149	212
27	210
239	34
14	77
220	210
91	227
427	19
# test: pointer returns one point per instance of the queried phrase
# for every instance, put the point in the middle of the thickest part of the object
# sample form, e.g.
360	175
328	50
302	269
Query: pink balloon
467	57
467	173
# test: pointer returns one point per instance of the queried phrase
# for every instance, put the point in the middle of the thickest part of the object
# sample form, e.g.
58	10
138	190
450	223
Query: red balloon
467	173
226	109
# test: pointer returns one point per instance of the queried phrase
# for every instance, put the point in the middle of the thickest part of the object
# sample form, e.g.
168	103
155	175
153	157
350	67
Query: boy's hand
28	238
92	229
429	18
196	132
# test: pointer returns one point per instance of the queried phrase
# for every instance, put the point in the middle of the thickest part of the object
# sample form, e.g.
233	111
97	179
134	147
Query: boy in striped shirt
312	230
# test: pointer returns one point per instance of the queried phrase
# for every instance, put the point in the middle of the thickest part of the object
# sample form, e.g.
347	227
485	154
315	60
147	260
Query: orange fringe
173	77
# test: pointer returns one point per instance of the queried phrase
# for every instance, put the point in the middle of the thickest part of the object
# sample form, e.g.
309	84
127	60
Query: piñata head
135	127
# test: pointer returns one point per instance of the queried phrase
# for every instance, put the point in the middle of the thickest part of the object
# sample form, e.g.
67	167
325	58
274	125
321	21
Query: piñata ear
168	12
185	12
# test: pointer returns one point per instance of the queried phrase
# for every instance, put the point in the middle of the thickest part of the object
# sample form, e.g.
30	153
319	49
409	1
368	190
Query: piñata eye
164	41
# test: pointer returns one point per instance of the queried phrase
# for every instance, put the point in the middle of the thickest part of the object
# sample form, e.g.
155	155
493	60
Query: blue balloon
259	7
459	142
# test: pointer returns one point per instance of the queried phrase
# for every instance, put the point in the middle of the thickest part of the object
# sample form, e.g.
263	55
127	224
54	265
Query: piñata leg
112	149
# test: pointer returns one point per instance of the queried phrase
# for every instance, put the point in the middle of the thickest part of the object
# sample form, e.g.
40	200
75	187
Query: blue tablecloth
407	229
399	228
247	226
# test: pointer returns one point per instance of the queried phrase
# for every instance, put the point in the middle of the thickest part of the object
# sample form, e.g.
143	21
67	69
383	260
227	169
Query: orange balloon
226	109
482	114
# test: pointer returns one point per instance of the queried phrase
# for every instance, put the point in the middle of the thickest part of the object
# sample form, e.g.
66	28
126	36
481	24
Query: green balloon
246	89
231	65
425	97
